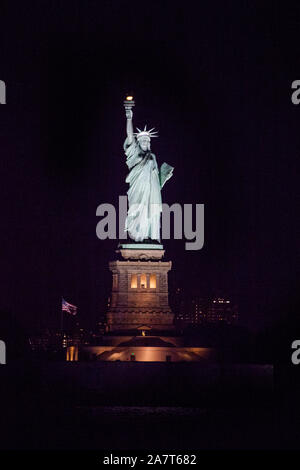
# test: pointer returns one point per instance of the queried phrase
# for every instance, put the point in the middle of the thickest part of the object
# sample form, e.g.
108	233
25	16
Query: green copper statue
145	183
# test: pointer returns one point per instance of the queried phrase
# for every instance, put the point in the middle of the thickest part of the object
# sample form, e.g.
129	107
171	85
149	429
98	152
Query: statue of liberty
145	183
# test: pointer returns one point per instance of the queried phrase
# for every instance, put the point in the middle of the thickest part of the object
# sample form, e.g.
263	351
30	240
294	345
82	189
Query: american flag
69	308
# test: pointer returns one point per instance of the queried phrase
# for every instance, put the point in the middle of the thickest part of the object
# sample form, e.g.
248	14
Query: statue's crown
149	133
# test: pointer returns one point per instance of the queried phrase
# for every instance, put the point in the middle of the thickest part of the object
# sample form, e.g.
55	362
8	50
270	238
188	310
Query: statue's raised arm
129	126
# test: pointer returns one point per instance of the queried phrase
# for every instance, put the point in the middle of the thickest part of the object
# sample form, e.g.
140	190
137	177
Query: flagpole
61	319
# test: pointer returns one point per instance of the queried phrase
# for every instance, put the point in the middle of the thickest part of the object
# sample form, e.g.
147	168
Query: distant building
55	340
39	343
221	310
189	310
193	310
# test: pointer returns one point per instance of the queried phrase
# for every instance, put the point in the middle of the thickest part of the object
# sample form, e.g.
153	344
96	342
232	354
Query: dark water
40	412
177	428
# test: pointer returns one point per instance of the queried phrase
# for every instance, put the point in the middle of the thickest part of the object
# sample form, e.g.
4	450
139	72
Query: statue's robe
144	193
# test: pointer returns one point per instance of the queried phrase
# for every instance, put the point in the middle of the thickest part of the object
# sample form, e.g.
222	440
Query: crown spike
150	133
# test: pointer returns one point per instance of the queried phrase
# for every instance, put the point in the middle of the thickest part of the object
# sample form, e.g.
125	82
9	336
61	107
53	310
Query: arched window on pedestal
152	281
143	281
133	283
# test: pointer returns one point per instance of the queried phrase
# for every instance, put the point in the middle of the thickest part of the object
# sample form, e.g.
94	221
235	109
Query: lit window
152	281
133	281
143	281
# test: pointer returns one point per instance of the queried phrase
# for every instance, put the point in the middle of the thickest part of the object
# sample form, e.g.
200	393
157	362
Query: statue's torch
129	102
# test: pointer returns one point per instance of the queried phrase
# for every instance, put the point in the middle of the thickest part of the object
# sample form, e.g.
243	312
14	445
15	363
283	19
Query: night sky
215	79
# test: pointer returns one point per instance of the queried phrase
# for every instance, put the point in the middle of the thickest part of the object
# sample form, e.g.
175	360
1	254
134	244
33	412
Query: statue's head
144	138
144	142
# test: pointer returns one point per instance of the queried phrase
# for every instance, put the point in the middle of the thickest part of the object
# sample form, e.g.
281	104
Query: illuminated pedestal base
139	295
148	349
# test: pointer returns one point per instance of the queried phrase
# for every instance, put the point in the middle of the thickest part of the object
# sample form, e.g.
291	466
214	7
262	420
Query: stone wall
132	307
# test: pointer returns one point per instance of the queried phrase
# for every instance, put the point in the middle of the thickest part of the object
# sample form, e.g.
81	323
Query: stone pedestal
139	295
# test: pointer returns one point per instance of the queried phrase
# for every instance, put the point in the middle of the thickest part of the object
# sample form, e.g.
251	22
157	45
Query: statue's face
144	142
